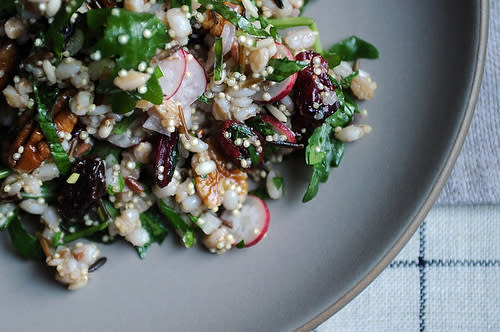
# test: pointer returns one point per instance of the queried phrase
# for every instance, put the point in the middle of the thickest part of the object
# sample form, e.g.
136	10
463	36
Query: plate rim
436	188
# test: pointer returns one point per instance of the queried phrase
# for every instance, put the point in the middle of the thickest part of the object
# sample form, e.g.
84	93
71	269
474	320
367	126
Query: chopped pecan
8	51
30	147
215	22
211	187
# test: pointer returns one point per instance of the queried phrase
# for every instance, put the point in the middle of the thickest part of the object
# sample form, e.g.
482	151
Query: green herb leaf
323	151
55	34
27	245
279	183
241	244
204	99
219	59
151	221
7	8
45	99
284	68
236	19
83	233
333	59
353	48
124	124
186	231
123	36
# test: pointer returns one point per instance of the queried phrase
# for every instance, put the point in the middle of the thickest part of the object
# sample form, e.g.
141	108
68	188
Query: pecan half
8	51
215	22
211	187
30	147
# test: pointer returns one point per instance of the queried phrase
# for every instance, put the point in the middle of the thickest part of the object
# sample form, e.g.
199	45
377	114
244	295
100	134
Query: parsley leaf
27	245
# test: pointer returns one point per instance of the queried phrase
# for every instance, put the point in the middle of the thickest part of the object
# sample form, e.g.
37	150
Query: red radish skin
173	69
254	215
194	82
279	90
280	127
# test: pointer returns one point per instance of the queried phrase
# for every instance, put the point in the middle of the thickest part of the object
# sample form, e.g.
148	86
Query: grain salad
123	120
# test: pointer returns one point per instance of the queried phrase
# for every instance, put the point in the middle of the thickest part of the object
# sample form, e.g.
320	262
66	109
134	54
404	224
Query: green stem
5	173
84	233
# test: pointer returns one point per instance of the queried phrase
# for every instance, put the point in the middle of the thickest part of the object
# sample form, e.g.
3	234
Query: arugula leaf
151	222
353	48
124	36
55	34
236	19
219	59
323	151
186	231
45	99
283	68
27	245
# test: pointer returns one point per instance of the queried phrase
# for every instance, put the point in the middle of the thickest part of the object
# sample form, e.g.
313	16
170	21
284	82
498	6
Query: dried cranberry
165	159
314	93
78	196
241	144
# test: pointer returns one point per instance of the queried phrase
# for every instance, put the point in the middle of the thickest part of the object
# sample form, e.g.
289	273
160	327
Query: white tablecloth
448	276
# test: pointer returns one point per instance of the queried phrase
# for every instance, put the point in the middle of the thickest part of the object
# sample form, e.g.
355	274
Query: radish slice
251	224
173	69
279	127
154	123
134	134
279	90
194	82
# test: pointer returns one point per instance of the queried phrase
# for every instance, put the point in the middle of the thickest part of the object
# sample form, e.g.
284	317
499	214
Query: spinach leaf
104	149
353	48
45	99
124	124
236	19
55	34
323	151
185	231
283	68
27	245
151	220
260	192
48	191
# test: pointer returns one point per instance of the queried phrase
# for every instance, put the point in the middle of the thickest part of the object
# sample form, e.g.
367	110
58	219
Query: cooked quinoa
124	119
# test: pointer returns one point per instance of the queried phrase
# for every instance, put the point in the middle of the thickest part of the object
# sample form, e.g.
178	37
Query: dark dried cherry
165	158
241	144
78	196
313	93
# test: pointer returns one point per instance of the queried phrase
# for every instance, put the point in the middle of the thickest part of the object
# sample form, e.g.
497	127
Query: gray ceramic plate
317	256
